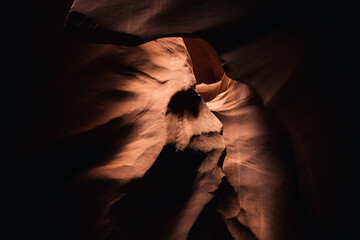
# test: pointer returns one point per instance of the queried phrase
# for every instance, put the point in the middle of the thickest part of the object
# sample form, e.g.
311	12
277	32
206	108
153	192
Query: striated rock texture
112	142
132	153
261	197
259	166
293	54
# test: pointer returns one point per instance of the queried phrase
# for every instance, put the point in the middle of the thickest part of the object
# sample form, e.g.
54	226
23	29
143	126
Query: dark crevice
211	224
222	158
185	101
152	204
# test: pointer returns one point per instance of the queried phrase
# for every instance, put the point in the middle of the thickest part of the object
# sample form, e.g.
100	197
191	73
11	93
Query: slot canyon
179	119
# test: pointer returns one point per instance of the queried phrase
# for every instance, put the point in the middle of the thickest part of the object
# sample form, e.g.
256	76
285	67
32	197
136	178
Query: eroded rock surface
137	148
292	54
259	166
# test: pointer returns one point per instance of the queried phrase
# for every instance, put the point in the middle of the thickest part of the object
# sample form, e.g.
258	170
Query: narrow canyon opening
259	164
211	79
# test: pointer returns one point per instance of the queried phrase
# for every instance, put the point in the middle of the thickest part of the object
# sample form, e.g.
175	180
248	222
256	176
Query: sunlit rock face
134	154
161	145
291	54
262	193
259	166
114	142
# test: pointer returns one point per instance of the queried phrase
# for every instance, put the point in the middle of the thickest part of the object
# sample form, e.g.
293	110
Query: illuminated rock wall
112	142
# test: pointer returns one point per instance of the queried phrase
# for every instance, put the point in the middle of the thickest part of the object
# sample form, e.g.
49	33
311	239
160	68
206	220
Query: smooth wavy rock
293	54
137	149
258	167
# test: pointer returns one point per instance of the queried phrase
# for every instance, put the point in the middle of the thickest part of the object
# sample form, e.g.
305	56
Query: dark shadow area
211	225
222	158
267	17
75	152
152	204
85	28
185	101
115	95
36	51
293	215
41	174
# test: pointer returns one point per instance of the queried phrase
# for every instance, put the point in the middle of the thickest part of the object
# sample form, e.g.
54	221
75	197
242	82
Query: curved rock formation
282	50
259	165
135	149
112	142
